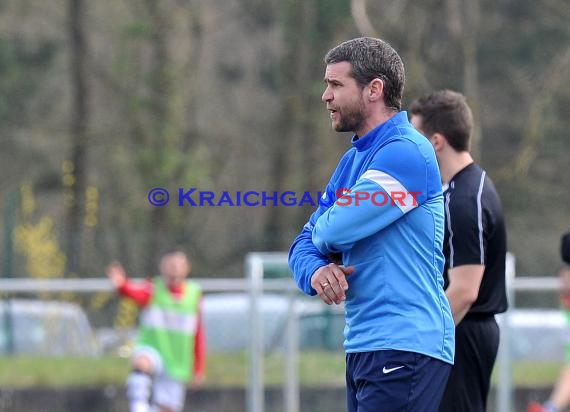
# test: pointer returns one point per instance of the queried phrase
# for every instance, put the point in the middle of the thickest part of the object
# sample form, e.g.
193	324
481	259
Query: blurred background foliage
102	101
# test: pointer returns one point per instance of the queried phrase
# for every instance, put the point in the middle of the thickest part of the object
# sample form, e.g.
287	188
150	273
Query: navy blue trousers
394	381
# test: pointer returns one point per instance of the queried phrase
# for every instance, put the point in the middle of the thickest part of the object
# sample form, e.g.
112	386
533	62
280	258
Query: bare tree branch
454	22
360	16
555	76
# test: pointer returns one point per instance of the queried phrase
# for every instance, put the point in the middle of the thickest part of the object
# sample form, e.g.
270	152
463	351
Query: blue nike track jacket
383	211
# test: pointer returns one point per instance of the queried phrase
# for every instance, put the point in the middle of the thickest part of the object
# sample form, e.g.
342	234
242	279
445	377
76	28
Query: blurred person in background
382	258
560	397
475	248
170	350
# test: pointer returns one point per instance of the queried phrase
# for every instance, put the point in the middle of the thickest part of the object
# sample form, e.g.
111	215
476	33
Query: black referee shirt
475	234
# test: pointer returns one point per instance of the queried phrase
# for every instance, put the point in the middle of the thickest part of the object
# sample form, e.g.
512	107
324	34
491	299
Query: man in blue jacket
375	241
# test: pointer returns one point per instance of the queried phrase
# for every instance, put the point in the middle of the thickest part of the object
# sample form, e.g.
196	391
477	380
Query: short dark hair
448	113
371	59
565	248
174	250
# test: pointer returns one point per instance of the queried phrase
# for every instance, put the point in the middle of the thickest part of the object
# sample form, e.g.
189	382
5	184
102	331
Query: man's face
565	279
343	97
174	267
416	121
565	290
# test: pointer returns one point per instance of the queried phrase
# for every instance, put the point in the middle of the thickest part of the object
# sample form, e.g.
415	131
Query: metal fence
254	272
256	286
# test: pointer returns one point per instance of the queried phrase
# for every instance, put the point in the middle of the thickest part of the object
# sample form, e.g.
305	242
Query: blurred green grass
533	374
315	368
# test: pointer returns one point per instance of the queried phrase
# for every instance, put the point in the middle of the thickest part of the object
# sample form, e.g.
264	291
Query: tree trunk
463	22
293	152
161	93
79	125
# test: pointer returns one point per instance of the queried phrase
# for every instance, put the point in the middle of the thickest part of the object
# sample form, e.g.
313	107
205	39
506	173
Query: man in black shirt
474	248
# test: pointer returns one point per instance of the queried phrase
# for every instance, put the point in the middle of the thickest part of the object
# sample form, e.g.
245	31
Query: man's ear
376	90
438	141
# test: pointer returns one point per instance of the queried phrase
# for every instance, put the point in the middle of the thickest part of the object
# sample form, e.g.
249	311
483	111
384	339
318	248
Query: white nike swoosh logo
384	370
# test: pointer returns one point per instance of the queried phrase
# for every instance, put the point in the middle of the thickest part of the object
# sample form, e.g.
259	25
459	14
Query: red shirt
141	294
565	300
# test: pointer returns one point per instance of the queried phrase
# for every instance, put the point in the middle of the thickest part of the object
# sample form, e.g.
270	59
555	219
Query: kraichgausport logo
344	197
